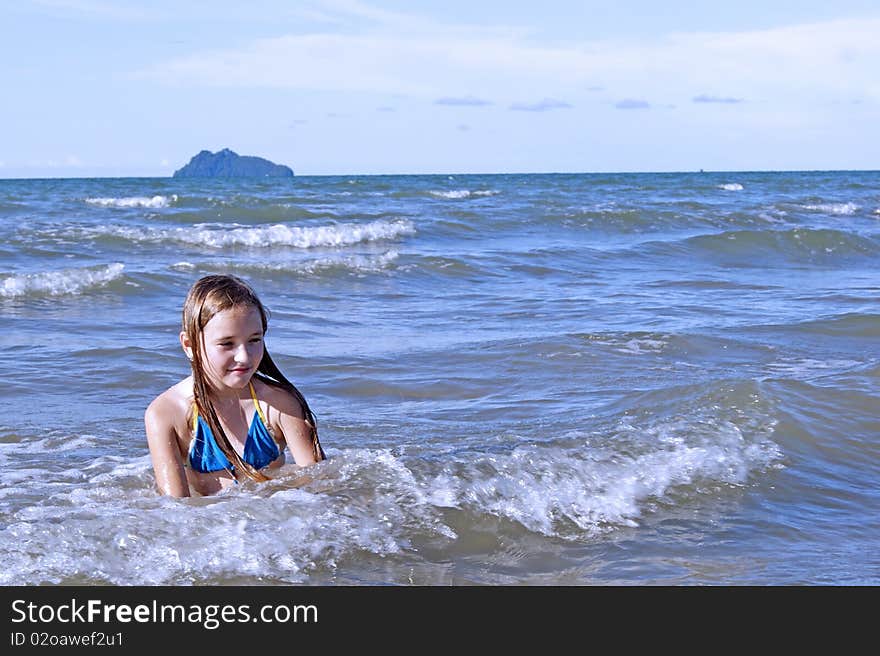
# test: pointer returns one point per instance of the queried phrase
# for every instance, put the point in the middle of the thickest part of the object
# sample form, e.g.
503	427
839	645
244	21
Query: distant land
227	164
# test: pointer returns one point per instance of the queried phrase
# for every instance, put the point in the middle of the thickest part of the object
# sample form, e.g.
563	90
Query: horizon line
439	173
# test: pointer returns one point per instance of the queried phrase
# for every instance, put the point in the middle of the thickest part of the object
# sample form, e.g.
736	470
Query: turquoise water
624	379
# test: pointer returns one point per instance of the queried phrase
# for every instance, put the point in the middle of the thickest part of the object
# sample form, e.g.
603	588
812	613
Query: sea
633	379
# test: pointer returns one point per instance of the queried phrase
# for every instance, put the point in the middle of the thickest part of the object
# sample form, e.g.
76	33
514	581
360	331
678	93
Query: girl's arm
162	439
297	433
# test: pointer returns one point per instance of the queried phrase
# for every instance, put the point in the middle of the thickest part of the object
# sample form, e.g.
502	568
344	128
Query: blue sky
117	88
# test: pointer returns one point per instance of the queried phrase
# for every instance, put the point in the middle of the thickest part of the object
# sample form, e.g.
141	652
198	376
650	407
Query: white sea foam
359	264
632	343
220	236
59	283
834	208
731	186
104	522
806	367
155	202
639	346
552	491
111	526
356	263
464	193
773	215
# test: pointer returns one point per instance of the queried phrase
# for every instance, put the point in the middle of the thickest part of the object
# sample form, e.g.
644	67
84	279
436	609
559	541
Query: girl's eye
256	340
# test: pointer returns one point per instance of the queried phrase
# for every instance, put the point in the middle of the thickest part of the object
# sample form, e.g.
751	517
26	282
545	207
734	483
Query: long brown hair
208	296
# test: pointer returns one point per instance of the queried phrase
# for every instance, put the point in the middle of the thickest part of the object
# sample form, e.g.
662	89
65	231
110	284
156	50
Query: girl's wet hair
208	296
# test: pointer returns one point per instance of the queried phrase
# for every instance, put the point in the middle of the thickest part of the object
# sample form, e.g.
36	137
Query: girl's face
233	347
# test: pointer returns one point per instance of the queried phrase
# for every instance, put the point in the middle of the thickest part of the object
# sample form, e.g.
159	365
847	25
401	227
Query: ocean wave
583	484
253	216
619	218
464	193
805	368
686	443
754	247
59	283
222	236
156	202
568	494
100	519
296	527
353	263
774	215
357	264
638	346
634	343
850	325
731	186
844	209
308	525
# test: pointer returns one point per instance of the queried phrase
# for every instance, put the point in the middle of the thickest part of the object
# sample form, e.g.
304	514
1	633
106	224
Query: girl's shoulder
278	398
174	403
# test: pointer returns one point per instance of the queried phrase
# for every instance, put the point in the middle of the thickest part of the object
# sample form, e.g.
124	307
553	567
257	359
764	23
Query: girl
232	418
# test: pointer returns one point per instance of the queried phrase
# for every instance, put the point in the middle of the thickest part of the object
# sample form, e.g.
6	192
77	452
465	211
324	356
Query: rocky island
227	164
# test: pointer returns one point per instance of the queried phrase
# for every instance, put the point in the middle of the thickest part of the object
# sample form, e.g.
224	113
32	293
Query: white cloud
541	106
349	8
630	103
99	8
435	60
67	162
464	101
369	63
707	98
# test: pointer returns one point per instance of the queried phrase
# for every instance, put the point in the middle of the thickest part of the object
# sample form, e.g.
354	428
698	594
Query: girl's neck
229	396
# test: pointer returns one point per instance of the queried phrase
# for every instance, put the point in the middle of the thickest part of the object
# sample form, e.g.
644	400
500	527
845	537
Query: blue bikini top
260	448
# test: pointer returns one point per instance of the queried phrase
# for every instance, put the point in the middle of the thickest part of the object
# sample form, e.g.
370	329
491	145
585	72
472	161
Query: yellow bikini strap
257	405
